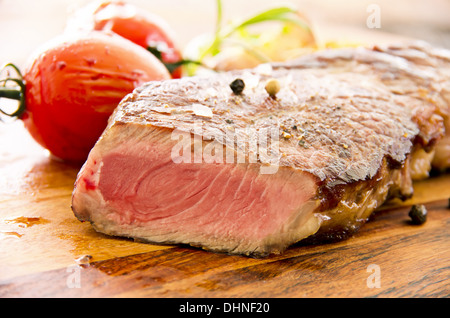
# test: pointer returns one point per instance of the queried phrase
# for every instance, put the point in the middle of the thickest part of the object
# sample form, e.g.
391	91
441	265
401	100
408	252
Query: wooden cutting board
47	252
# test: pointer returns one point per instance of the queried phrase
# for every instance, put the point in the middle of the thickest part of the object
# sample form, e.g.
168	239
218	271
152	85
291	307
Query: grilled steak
190	161
417	69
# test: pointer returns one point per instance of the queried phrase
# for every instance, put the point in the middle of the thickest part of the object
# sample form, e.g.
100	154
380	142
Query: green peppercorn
418	214
237	86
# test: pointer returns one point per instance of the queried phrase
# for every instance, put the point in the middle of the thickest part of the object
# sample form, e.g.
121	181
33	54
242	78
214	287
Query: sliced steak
188	161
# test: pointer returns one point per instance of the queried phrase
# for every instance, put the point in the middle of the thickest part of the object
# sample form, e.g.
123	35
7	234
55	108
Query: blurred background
25	24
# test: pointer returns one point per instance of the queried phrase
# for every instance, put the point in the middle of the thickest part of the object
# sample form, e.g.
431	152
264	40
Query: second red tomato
135	24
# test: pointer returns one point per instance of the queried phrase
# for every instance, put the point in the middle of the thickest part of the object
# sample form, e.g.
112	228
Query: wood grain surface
46	252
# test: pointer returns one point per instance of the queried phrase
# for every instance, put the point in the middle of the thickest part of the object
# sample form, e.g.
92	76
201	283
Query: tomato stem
16	92
11	93
170	66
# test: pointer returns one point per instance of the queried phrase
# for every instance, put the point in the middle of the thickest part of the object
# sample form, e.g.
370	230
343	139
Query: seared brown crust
350	120
416	69
342	118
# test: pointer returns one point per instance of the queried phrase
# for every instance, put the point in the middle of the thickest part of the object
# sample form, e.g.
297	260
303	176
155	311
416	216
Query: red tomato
143	28
74	84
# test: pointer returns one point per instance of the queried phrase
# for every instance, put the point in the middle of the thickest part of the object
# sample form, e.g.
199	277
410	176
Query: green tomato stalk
16	92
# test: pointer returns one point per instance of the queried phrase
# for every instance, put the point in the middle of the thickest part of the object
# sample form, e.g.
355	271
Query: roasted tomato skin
74	84
131	22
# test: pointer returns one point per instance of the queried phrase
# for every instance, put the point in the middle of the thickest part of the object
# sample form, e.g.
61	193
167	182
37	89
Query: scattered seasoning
237	86
272	87
303	144
229	121
286	135
418	214
161	109
294	127
345	146
202	111
264	69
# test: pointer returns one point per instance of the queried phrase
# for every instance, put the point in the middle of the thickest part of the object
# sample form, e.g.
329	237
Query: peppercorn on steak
303	149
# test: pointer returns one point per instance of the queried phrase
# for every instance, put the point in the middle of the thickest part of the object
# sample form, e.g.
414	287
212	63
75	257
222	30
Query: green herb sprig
222	34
